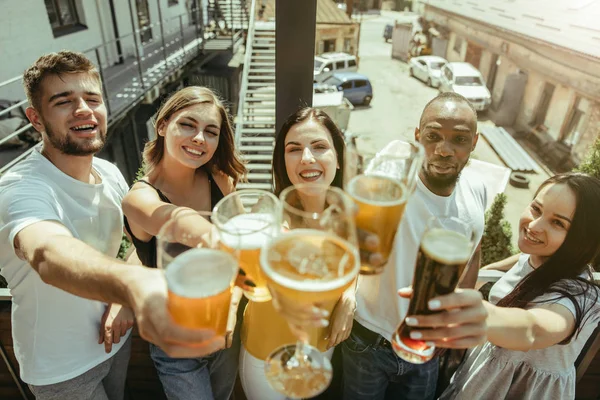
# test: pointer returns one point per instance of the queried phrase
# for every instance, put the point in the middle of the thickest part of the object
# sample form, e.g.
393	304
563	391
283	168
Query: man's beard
82	147
441	182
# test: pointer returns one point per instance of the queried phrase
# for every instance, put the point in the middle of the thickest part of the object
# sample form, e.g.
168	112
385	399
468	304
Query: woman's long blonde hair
226	158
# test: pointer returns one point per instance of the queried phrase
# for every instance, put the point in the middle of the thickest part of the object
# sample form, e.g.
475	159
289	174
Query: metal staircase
255	122
233	12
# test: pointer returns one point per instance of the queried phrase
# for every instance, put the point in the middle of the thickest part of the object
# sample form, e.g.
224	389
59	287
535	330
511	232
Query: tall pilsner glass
199	277
446	247
246	220
380	180
313	261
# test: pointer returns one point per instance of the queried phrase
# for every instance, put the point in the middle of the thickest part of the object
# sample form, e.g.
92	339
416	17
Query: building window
539	117
63	17
575	121
458	44
329	46
173	2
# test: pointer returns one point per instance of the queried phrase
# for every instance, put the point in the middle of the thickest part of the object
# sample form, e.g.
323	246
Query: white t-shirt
379	308
55	334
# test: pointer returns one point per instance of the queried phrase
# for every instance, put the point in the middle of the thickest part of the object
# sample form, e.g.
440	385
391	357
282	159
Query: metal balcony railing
131	67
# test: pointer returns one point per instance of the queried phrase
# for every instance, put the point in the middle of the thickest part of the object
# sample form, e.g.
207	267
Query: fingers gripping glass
199	276
446	247
380	182
313	261
246	220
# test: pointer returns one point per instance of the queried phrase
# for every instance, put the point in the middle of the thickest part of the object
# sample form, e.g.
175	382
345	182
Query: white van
466	80
328	63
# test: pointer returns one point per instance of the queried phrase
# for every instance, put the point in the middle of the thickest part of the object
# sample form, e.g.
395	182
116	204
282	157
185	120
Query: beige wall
339	33
505	68
590	131
484	64
453	55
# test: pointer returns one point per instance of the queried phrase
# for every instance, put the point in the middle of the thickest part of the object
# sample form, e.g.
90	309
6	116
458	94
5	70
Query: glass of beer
380	180
199	277
446	247
246	220
312	262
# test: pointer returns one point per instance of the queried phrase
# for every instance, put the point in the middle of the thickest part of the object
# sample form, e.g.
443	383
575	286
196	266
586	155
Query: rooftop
570	24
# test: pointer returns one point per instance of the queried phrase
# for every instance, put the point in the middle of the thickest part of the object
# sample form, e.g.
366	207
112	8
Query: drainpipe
102	34
116	30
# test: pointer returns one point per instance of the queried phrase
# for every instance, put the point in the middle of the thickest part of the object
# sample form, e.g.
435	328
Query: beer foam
307	284
365	188
248	231
200	273
447	247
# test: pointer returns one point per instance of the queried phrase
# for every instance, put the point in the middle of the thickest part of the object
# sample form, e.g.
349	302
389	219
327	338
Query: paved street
399	99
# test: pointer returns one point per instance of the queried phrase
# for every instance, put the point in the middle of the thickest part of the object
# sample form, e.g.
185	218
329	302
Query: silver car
427	69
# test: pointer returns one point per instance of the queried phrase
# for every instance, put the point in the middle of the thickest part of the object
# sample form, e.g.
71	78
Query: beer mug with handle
199	276
246	220
445	249
380	179
312	262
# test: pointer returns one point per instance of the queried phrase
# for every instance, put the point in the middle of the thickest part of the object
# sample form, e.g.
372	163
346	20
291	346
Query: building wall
505	68
339	33
456	51
26	34
573	74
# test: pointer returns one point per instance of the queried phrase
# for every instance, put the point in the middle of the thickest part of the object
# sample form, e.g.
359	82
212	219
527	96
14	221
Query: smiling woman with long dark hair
543	310
309	148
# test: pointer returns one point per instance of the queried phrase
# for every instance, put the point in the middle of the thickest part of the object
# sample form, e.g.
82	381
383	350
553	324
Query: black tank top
146	251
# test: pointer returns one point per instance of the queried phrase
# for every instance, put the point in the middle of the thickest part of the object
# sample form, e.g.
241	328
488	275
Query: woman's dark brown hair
560	273
280	176
226	158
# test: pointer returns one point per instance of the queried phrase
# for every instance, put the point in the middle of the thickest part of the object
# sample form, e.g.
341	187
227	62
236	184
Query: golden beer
310	266
381	201
243	236
199	285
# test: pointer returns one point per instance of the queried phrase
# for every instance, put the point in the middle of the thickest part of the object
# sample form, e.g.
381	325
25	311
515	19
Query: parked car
328	63
466	80
387	32
427	68
356	87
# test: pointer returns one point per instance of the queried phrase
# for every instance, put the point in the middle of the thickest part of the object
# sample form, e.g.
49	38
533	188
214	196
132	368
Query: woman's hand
115	323
459	321
342	319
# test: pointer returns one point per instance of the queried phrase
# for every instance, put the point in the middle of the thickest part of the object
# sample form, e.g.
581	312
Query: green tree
496	243
591	164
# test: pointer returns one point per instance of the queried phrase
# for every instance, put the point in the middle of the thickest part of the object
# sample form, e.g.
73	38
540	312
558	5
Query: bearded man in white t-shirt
448	132
61	226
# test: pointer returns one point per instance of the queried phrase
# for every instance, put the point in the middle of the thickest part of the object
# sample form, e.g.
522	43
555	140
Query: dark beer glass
445	249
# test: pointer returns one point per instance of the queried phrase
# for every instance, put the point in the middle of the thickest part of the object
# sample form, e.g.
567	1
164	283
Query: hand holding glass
380	183
313	262
199	278
246	220
446	247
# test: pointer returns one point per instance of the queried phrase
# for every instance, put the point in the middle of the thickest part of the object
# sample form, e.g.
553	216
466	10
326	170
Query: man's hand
459	321
148	295
342	319
115	323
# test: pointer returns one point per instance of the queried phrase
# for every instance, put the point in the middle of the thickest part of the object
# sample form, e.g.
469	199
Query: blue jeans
205	378
372	371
